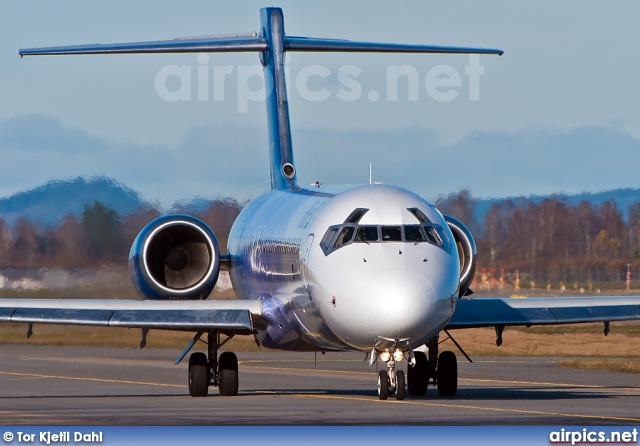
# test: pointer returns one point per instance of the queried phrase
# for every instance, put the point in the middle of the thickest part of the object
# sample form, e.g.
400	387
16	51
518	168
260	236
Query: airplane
371	268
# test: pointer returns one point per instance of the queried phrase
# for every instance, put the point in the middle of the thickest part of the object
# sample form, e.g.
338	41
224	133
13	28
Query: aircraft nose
397	304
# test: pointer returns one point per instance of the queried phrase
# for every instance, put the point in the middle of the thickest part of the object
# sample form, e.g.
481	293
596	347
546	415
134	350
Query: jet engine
175	257
466	252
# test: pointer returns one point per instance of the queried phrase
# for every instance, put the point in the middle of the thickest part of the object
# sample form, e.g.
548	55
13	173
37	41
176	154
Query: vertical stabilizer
283	172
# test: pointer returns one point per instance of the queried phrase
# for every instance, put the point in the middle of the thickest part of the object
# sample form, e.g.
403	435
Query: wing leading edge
492	312
239	316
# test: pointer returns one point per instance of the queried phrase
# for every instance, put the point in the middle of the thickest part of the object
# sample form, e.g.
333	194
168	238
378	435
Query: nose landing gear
391	382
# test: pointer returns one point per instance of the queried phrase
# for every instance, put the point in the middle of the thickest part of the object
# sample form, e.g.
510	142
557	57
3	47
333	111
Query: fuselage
368	267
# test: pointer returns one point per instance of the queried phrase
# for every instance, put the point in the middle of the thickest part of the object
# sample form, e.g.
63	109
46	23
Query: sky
557	112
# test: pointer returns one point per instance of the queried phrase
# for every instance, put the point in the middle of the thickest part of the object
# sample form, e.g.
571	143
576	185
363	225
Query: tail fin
272	43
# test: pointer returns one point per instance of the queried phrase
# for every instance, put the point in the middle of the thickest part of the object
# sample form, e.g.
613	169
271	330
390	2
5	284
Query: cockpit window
350	231
419	215
326	244
433	236
414	234
391	234
442	236
345	236
367	234
356	215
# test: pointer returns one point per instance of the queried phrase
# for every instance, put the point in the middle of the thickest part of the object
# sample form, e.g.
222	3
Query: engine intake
175	257
467	253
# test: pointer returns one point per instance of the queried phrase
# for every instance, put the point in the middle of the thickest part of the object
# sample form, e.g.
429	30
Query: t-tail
272	43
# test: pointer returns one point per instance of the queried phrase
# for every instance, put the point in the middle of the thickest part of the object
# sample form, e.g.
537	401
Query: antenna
371	176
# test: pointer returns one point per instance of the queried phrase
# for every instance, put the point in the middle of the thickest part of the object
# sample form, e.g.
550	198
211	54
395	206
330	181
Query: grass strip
613	365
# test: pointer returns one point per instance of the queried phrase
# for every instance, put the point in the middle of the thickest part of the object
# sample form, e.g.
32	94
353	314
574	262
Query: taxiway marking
77	378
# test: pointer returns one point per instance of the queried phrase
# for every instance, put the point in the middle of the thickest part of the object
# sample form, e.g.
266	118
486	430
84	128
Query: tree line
551	242
97	237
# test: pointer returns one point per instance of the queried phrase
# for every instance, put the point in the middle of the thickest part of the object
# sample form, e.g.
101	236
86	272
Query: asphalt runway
108	386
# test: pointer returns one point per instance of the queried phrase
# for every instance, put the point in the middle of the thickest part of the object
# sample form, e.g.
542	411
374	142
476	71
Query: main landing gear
209	370
441	371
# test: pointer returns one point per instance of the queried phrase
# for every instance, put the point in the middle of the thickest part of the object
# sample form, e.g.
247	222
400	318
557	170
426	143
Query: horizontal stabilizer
248	43
238	43
334	45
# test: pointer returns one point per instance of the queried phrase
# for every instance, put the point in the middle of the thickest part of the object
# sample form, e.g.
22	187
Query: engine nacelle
175	257
466	252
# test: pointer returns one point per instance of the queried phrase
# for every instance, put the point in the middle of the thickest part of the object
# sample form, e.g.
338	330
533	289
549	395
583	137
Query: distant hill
49	203
622	197
54	200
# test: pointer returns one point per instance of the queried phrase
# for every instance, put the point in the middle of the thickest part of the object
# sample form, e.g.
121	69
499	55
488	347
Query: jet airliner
373	268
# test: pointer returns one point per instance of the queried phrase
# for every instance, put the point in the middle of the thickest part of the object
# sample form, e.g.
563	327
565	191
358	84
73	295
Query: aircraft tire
383	385
198	375
417	375
399	385
228	374
447	374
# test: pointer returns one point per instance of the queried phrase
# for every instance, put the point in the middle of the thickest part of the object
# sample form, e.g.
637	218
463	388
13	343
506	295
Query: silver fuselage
361	295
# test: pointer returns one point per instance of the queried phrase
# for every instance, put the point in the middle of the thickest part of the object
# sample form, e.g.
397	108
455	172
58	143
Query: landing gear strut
439	370
207	370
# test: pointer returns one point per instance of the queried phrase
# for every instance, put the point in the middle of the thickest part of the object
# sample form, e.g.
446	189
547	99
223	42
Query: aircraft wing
238	316
495	312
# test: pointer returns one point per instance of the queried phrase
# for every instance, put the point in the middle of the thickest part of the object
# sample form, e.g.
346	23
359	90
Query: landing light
385	356
398	355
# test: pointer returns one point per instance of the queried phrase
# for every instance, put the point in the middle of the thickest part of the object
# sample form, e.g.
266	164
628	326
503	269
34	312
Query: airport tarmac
110	386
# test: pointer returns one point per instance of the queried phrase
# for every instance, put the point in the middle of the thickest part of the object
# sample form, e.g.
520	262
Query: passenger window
367	234
391	234
413	234
345	236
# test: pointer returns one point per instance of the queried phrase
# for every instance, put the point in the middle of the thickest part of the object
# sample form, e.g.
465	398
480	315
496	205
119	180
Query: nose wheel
391	383
383	385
